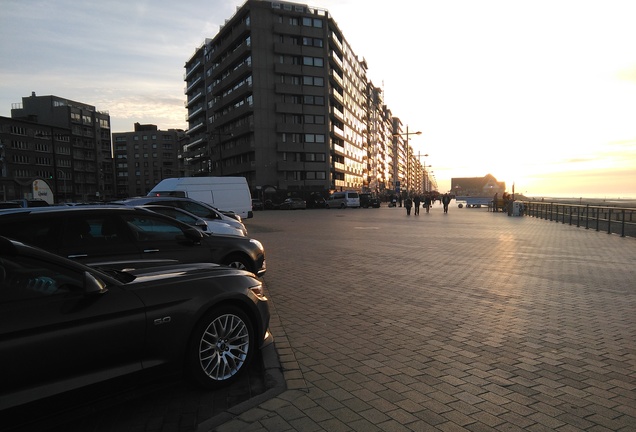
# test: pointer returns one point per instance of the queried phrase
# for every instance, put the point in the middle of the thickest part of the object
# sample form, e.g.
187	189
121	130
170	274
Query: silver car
208	226
197	208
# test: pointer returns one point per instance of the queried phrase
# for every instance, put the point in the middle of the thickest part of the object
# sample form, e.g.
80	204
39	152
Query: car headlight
259	291
257	244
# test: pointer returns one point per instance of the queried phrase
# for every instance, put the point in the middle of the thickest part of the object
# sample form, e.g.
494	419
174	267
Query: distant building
486	186
62	145
145	157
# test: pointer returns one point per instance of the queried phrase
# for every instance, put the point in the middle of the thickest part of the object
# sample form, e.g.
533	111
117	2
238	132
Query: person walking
427	202
408	204
416	203
446	199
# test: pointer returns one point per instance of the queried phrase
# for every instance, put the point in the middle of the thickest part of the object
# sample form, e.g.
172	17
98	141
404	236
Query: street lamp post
408	162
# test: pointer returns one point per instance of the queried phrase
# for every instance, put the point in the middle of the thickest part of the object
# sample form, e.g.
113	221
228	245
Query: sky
539	93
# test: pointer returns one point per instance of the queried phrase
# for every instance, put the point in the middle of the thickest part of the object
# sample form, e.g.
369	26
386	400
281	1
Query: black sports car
66	325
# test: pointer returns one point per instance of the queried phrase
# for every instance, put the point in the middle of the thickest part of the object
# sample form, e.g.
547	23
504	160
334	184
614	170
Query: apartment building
61	146
144	157
279	97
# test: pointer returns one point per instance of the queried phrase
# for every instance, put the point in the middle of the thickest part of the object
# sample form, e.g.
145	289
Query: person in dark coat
446	199
416	203
408	203
427	202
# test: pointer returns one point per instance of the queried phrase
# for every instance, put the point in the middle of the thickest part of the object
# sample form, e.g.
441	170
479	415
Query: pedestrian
408	204
427	202
400	200
416	202
446	199
495	209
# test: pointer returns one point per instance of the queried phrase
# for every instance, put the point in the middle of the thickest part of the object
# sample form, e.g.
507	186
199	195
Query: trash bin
517	208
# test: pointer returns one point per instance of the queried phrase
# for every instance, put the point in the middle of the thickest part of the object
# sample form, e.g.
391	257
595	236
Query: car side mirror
193	234
92	285
201	224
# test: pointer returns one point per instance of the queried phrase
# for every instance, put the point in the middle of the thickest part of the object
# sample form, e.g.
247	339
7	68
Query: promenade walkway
469	321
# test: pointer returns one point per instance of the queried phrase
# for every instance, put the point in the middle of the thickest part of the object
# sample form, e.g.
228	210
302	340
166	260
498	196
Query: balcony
189	71
193	85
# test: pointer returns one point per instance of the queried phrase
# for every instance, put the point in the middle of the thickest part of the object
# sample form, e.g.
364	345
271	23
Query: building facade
485	186
58	142
279	97
144	157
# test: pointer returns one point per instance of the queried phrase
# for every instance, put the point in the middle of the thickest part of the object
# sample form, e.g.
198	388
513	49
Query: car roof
71	210
154	198
57	209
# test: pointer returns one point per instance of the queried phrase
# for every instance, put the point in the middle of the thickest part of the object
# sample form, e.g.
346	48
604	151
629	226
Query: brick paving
466	321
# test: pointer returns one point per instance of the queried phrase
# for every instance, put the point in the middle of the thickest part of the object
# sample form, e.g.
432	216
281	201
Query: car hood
163	272
142	271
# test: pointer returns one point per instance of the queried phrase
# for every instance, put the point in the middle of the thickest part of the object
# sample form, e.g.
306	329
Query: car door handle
77	256
150	250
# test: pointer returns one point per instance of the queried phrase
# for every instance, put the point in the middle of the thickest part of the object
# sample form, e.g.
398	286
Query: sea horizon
584	200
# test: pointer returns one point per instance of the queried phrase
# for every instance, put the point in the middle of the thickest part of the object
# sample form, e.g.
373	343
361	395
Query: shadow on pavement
166	404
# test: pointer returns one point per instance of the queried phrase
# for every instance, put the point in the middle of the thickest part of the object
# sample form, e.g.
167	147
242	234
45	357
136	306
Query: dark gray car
92	234
65	325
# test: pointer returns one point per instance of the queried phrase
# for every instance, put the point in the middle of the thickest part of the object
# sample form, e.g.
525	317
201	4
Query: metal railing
613	220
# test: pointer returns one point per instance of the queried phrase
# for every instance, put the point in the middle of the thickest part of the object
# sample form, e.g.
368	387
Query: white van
343	200
224	193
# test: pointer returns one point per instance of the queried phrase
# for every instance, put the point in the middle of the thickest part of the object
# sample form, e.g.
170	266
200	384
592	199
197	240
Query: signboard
42	190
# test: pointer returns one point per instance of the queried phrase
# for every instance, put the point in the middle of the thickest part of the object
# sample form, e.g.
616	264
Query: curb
274	381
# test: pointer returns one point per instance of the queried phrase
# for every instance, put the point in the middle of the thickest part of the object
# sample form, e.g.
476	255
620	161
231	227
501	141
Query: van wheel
342	206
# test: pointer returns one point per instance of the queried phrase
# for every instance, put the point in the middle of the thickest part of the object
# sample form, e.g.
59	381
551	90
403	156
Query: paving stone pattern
446	322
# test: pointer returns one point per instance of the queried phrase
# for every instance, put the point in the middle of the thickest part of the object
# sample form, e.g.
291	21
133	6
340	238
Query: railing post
587	216
598	214
609	221
623	224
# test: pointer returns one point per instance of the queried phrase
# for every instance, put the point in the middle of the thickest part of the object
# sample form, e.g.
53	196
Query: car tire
238	261
221	347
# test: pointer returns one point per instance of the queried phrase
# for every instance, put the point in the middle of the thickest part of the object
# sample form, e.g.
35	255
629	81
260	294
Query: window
314	119
313	100
314	138
312	22
307	41
313	61
27	278
148	229
17	130
313	81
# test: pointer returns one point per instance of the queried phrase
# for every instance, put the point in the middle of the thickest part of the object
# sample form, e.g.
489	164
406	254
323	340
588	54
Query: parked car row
200	209
110	290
